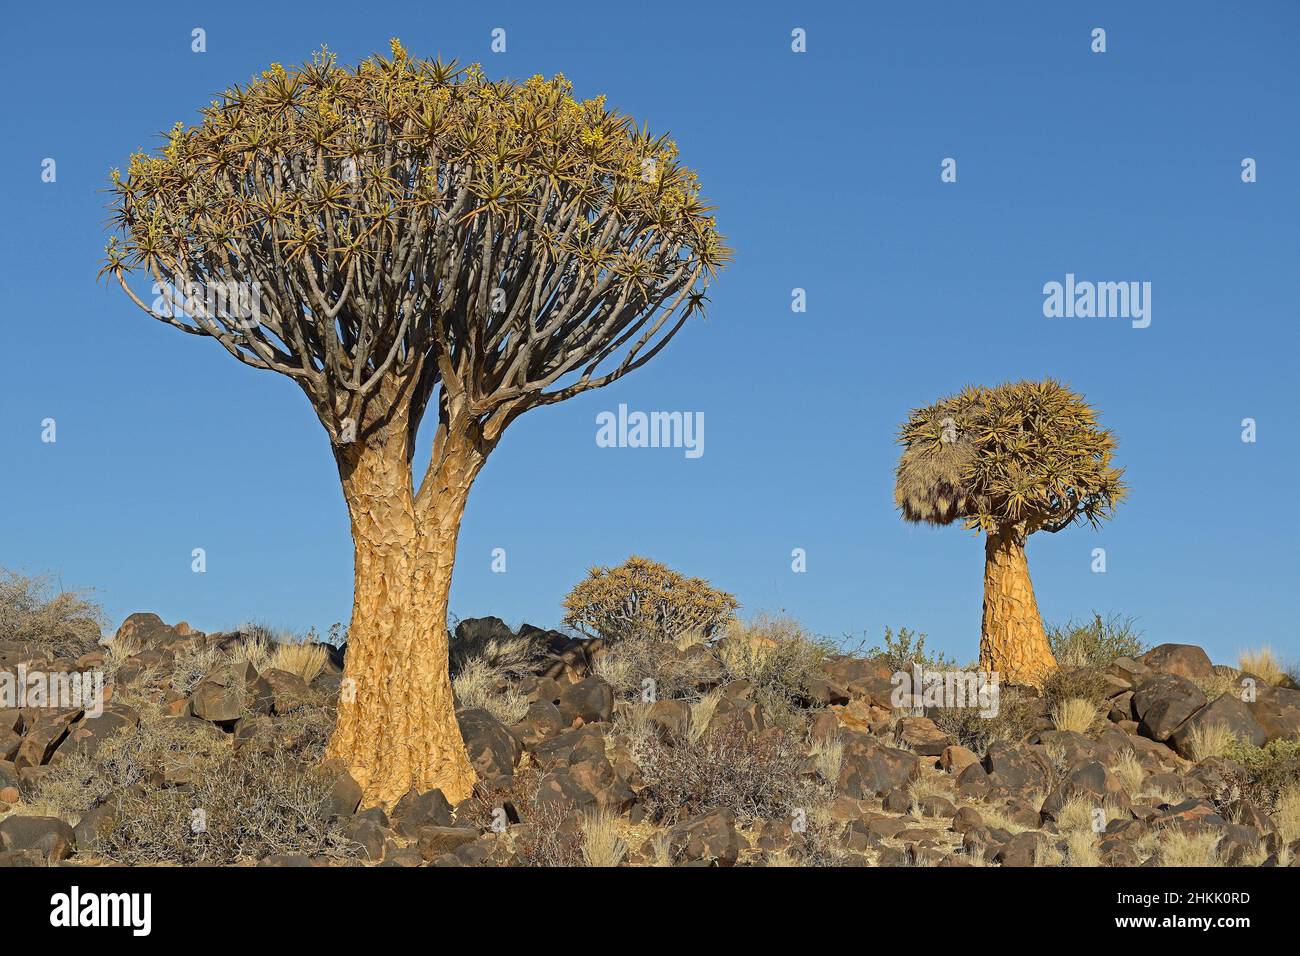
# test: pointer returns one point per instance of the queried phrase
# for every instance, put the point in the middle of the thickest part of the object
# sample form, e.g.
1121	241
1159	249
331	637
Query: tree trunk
396	727
1012	640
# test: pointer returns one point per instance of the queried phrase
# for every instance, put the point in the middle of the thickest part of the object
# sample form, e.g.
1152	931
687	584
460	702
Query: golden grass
303	658
1047	853
1212	740
1182	848
602	840
1128	770
615	670
478	684
1081	849
926	785
702	712
1074	714
828	753
253	649
1217	684
782	858
997	817
1076	815
1263	664
1286	813
661	850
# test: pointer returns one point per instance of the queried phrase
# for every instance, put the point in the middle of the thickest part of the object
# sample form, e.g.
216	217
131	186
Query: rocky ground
762	748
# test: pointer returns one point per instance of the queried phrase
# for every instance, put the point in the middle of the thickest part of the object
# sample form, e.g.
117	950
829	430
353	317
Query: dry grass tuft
304	658
602	841
1213	740
1218	684
1128	770
828	753
1081	849
254	647
1075	714
1184	848
1076	815
480	684
702	712
1286	813
1263	664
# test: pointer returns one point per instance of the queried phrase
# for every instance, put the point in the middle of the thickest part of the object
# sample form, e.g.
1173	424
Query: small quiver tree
1008	461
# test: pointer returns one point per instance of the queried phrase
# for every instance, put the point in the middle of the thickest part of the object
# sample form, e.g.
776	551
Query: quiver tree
397	236
1008	461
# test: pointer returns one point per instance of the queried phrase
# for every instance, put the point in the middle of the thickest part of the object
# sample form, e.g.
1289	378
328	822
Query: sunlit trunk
396	727
1012	640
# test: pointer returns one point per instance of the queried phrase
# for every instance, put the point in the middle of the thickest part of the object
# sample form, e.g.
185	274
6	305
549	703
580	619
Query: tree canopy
413	221
1025	453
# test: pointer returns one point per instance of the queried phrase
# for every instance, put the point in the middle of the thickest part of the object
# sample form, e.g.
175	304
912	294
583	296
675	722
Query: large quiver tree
407	234
1008	461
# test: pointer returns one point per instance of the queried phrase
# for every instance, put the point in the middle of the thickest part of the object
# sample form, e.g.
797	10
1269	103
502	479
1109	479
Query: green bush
907	648
1095	643
1269	769
1019	713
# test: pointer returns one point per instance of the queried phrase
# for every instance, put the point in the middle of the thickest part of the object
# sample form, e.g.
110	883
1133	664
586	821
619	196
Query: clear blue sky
1117	166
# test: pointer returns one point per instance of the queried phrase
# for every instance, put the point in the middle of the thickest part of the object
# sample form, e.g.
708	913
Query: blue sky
825	167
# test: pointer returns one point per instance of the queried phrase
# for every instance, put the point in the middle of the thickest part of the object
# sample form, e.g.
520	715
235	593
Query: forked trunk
1012	640
396	727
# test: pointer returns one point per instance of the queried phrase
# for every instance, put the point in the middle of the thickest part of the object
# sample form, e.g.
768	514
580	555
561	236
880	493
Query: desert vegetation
746	742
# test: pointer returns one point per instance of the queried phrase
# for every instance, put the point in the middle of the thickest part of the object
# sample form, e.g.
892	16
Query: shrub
644	597
160	749
1269	770
751	774
1095	643
241	807
547	837
628	662
777	657
190	663
1019	714
64	623
907	648
1077	683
